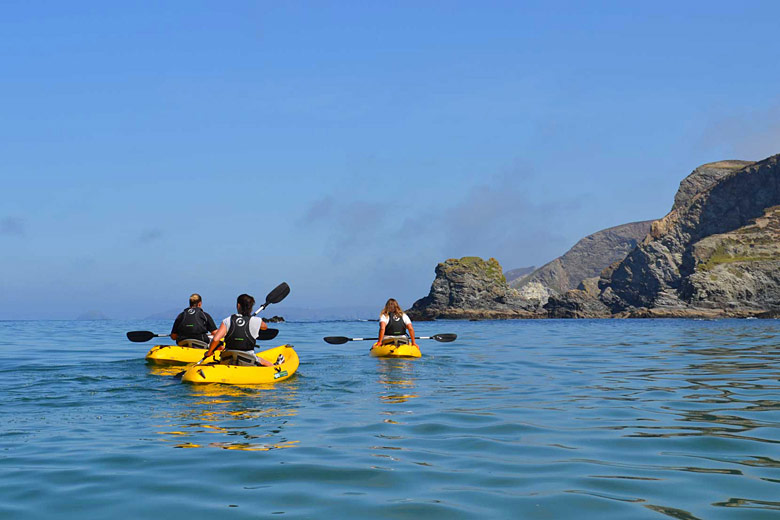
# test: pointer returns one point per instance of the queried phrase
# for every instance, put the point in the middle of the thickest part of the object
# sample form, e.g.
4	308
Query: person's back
193	325
393	324
240	333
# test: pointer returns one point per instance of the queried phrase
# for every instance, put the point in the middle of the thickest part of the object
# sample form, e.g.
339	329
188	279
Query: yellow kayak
174	355
391	350
235	375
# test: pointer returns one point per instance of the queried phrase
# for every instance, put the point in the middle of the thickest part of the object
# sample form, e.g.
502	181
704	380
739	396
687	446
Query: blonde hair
392	307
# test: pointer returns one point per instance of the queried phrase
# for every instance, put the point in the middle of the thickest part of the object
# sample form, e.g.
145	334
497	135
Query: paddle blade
445	338
139	336
267	334
278	294
336	340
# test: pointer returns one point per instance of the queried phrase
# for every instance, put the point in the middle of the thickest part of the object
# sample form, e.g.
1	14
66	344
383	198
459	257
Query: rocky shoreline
716	254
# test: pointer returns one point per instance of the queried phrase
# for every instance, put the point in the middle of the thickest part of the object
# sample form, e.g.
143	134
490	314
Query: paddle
339	340
139	336
278	294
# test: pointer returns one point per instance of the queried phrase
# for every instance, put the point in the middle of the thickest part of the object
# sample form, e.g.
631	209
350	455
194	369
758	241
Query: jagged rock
588	257
576	303
720	251
275	319
702	178
472	288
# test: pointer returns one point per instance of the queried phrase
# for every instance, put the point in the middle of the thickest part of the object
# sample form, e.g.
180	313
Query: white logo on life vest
240	322
190	311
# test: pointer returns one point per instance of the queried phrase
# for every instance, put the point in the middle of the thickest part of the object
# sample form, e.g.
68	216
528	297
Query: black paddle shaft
340	340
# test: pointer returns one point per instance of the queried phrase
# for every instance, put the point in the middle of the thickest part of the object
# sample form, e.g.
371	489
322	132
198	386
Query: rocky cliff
472	288
717	253
718	250
703	178
587	258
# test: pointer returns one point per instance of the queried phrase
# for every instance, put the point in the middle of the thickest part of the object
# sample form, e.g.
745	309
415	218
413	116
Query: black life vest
395	326
238	336
193	325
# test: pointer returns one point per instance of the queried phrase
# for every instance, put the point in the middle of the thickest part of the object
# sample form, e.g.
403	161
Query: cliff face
471	288
717	250
702	178
717	253
588	257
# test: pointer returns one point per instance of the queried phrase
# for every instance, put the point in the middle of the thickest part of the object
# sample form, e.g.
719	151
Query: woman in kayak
240	332
393	324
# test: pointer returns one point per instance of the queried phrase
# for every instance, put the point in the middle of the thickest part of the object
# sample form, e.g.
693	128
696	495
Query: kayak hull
403	350
174	355
235	375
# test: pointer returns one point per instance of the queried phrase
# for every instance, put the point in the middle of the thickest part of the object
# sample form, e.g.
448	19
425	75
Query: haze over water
521	419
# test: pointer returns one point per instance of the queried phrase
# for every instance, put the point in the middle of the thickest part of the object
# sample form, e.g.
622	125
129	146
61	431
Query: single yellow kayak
174	355
235	375
391	350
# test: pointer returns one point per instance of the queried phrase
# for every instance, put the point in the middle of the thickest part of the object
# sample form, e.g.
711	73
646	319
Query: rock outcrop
716	254
718	251
588	257
472	288
702	178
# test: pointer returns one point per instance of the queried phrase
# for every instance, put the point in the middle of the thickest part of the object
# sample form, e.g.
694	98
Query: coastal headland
715	254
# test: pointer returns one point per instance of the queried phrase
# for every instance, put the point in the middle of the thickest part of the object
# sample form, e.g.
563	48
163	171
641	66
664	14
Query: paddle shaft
340	340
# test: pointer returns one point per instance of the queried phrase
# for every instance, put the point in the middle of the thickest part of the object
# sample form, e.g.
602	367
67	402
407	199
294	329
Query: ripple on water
542	419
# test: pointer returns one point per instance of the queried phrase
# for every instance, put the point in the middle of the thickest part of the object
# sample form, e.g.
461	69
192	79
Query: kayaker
193	325
240	332
394	324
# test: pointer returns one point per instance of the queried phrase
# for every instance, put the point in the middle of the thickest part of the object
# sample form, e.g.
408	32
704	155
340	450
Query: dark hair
245	304
195	299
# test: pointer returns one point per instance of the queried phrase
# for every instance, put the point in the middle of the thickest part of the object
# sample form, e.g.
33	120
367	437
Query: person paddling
192	325
240	332
393	324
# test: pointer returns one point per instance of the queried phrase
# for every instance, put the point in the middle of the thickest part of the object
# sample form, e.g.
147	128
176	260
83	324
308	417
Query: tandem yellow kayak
404	350
235	375
174	355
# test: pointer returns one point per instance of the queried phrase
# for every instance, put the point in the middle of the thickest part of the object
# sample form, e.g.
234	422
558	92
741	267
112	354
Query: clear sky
153	149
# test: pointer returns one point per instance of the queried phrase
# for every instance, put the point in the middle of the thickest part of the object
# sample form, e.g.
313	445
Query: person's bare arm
410	328
218	335
382	326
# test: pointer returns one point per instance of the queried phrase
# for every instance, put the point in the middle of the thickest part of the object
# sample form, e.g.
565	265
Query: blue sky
149	151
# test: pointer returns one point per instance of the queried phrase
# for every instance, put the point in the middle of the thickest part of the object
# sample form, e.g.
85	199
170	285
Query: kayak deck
174	355
237	375
404	350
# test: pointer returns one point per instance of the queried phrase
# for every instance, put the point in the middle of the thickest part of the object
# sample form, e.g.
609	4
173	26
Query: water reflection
233	418
397	377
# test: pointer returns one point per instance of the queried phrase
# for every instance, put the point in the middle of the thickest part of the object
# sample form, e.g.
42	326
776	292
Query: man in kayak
193	325
240	332
393	324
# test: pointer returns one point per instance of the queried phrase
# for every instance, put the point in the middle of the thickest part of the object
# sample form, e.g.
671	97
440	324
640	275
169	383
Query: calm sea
518	419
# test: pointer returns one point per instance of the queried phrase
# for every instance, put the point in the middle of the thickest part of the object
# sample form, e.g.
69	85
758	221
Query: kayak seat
238	358
395	340
192	343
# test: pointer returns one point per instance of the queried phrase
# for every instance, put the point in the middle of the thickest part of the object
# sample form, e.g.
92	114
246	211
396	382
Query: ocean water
517	419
